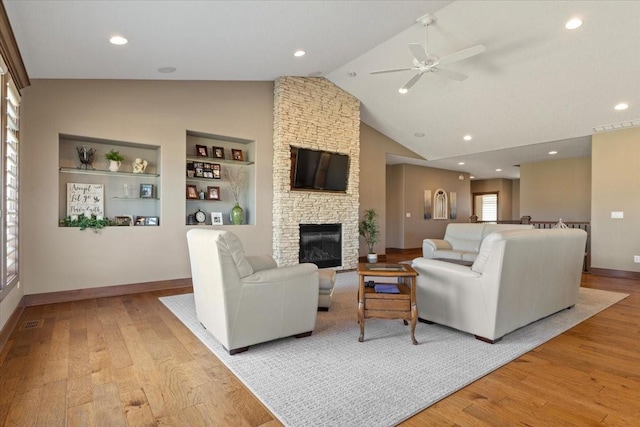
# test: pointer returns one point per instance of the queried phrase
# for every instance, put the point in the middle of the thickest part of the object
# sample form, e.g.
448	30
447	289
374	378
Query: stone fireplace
312	112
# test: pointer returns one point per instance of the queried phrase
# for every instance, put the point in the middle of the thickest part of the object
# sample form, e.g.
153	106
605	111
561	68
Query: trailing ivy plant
84	222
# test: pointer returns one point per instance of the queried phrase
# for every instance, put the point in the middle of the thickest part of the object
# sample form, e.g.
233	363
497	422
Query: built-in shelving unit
123	195
227	144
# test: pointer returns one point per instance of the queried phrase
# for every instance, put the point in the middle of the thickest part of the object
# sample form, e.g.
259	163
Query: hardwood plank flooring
127	360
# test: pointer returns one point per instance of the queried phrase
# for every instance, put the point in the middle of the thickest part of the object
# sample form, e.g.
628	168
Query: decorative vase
372	258
85	154
114	165
237	215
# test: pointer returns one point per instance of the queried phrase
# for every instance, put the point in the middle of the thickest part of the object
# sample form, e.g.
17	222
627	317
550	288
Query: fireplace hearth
321	244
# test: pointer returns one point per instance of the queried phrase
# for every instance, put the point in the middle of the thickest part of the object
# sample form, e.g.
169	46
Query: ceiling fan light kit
424	61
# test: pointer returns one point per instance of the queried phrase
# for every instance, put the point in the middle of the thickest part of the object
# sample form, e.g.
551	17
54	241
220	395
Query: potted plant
368	228
85	222
115	160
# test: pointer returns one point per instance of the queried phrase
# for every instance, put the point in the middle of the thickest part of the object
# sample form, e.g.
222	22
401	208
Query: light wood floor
128	361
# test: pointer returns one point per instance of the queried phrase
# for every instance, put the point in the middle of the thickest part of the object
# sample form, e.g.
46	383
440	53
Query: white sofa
462	240
245	300
518	277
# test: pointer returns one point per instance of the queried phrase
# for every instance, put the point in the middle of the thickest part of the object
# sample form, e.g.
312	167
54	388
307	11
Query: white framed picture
216	218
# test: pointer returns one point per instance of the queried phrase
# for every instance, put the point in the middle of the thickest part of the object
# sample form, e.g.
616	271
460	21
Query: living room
161	112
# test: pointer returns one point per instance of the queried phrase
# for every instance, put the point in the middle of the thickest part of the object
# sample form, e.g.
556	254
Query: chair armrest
261	262
433	267
278	275
429	246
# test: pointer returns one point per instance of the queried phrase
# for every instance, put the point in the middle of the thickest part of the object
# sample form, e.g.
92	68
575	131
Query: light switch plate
617	215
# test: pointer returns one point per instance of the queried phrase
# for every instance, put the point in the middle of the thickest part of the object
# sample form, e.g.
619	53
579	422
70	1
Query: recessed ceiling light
553	152
119	40
498	170
419	134
467	138
461	163
621	106
167	70
299	53
403	90
573	23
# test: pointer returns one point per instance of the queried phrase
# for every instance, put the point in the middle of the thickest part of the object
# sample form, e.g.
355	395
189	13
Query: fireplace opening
321	244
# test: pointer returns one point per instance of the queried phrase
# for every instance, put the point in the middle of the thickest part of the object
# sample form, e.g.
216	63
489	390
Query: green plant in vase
115	160
237	177
368	229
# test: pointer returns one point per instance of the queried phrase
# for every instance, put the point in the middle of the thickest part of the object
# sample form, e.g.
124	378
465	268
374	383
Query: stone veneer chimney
312	112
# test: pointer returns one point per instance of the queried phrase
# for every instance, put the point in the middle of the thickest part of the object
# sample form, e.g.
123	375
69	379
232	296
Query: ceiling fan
424	62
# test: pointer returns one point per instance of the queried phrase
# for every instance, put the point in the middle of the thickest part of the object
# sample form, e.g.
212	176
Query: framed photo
123	221
237	154
191	172
216	218
146	191
218	152
208	174
213	193
152	220
192	191
202	151
216	171
140	220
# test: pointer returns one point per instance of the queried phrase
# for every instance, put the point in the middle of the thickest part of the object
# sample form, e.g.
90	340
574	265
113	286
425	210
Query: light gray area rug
331	379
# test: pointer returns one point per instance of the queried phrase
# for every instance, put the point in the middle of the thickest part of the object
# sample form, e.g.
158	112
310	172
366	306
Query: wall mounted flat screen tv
319	170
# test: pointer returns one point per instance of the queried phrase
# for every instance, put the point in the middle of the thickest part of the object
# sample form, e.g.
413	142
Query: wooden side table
388	306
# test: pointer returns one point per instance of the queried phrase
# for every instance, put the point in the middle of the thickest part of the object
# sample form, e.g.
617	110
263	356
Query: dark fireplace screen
321	244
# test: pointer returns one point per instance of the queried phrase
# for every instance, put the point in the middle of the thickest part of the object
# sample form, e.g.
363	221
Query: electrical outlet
636	259
408	214
617	215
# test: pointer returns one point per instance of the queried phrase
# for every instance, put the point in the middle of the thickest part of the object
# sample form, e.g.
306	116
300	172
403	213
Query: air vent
617	126
32	324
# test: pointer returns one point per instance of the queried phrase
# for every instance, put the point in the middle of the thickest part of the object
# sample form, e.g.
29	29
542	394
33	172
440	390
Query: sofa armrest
429	246
261	262
434	267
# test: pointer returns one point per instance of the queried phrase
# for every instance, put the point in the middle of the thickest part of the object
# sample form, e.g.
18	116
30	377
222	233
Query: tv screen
319	170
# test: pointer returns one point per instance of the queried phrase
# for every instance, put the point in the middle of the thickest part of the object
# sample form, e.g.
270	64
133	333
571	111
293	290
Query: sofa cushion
237	253
485	250
464	237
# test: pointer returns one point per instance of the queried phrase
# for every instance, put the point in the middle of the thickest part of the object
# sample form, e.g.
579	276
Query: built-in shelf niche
122	188
226	202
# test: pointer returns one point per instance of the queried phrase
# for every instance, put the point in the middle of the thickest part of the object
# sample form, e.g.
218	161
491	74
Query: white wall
148	112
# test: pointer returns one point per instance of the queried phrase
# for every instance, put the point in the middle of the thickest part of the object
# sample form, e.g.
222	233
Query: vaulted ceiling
538	87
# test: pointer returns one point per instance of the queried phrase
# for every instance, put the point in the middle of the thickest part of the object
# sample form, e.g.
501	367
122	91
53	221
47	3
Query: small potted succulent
115	160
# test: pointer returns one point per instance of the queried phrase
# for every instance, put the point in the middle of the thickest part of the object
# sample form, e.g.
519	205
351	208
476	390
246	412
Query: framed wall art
213	193
192	191
218	152
146	191
202	151
237	154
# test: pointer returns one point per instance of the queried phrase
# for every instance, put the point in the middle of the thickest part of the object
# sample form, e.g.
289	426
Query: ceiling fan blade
411	81
463	54
453	75
392	70
418	52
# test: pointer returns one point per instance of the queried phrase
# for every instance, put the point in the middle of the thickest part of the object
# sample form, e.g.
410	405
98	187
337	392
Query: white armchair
248	300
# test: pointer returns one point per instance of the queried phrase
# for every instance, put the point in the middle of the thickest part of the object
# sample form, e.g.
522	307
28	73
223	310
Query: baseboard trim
622	274
11	324
103	292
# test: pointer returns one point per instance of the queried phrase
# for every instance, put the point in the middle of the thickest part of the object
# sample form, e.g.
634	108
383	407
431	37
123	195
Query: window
9	179
485	206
